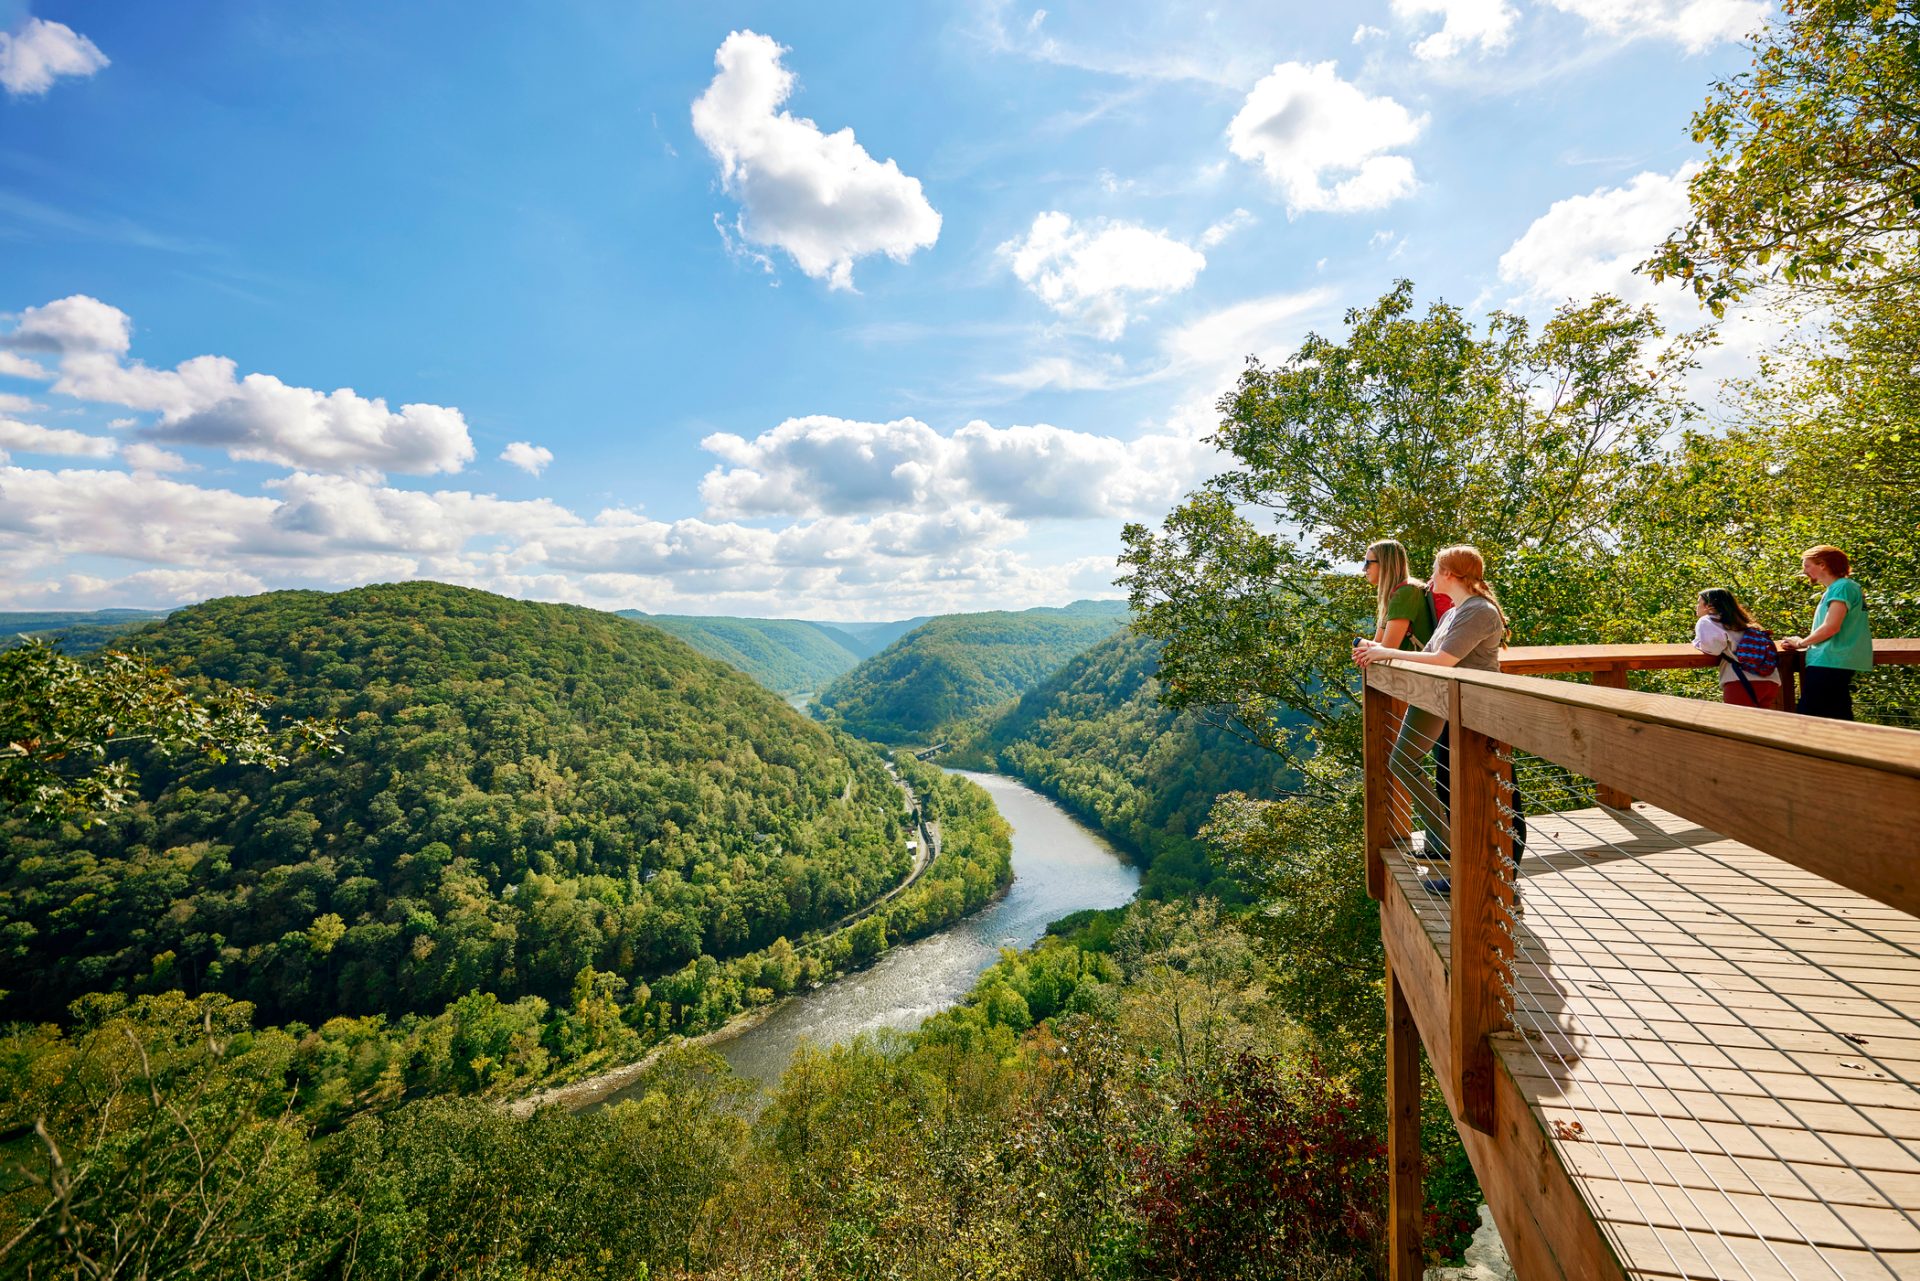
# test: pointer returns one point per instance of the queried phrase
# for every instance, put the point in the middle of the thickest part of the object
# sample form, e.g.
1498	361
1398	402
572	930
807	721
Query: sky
820	311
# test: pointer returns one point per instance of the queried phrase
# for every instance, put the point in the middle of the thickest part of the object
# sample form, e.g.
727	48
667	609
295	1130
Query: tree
1813	177
61	718
1416	427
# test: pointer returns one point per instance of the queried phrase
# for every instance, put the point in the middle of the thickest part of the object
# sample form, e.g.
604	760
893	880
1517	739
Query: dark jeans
1443	787
1828	692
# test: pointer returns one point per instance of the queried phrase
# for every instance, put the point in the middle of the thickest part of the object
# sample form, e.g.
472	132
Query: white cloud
1306	127
821	465
53	440
1154	43
320	514
1041	471
73	324
262	419
1220	231
14	365
1590	244
32	58
1365	32
12	404
818	197
333	531
1216	344
528	457
1065	373
144	457
830	467
257	418
1696	24
1486	23
157	588
1207	350
1094	272
114	513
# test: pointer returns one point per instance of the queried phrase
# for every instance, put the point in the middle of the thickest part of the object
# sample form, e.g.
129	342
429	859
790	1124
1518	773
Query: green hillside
524	791
1095	738
871	638
787	655
74	631
959	665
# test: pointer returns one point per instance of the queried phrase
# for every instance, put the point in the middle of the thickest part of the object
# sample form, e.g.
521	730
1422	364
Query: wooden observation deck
1680	1036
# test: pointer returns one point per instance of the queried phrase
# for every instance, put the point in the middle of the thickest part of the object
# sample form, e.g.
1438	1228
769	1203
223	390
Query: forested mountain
787	655
75	631
1095	737
871	638
523	791
959	665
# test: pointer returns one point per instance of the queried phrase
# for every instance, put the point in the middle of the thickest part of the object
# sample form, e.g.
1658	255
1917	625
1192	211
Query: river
1059	866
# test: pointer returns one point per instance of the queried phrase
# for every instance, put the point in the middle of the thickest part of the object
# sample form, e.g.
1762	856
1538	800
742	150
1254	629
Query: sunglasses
1367	562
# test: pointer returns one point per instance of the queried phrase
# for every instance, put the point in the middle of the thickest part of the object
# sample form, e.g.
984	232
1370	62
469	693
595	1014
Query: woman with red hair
1840	643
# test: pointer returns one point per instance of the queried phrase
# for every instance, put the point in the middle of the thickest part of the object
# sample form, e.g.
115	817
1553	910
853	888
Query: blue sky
822	310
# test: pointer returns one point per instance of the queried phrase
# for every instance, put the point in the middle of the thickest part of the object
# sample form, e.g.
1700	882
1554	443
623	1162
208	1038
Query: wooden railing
1608	665
1840	800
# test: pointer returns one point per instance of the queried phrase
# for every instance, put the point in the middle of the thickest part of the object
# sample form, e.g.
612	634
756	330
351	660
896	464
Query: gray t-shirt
1471	632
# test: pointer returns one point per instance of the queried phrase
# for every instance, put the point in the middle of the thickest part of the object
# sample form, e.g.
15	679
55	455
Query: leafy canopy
1417	427
61	719
1813	173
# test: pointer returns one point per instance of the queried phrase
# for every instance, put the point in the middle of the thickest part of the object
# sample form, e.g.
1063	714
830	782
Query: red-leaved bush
1281	1168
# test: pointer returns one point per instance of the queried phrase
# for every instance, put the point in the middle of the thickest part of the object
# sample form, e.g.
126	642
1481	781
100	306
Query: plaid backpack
1756	653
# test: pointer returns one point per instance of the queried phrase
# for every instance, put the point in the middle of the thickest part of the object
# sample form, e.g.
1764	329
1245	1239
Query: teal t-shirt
1852	646
1410	602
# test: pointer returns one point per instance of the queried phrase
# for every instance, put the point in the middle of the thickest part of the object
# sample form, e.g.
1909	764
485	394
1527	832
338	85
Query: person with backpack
1840	643
1749	663
1406	610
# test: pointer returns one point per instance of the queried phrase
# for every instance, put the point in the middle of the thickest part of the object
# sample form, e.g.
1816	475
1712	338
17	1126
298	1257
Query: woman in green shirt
1840	643
1403	617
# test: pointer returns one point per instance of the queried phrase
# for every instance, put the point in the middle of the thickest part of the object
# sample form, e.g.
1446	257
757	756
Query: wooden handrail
1542	660
1873	746
1609	665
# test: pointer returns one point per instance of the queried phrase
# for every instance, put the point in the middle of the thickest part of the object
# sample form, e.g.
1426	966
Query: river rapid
1059	866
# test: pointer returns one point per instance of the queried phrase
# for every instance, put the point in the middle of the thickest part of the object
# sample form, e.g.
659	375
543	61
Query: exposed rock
1486	1256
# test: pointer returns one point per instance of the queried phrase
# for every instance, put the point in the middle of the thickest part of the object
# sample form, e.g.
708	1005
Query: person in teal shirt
1840	643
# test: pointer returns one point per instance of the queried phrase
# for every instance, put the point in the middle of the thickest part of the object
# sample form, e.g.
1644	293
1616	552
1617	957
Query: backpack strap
1740	670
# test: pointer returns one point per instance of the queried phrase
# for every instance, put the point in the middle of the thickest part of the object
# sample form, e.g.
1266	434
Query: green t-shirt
1852	646
1410	602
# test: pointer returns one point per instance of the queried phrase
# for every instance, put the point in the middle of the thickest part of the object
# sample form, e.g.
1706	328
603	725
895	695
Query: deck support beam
1480	898
1407	1198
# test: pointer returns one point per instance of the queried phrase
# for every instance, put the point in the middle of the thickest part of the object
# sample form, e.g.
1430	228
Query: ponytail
1470	567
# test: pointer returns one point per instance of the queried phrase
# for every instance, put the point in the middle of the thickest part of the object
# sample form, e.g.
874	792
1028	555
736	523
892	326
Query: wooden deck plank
1781	1180
1659	1252
1723	1048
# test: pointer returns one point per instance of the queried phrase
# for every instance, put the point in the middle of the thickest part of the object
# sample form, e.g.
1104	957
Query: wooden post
1377	720
1614	677
1407	1198
1479	900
